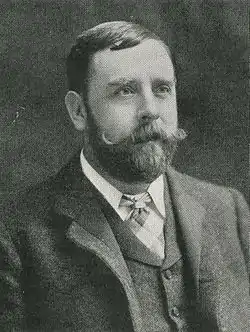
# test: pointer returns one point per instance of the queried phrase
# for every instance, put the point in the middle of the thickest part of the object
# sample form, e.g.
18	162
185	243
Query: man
118	240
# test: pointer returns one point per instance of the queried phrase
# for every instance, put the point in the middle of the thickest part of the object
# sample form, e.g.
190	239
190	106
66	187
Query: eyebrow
124	81
162	81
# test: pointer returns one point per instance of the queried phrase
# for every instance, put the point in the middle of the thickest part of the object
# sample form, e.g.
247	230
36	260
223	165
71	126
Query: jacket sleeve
243	219
11	295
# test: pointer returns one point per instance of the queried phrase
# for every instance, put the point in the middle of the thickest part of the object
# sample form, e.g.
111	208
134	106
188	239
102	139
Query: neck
124	187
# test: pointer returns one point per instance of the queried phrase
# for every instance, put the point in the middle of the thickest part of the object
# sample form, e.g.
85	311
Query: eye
125	91
163	89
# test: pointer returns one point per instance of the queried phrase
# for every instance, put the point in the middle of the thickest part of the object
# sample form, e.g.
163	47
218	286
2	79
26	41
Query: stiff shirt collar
113	195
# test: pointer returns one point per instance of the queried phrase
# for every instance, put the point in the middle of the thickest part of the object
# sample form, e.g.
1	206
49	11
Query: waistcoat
162	288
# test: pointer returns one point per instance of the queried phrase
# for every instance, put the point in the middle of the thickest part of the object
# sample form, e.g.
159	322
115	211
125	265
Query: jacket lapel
189	214
89	230
172	249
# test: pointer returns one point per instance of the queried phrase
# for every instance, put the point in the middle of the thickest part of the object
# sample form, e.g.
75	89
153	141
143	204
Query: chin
148	161
149	150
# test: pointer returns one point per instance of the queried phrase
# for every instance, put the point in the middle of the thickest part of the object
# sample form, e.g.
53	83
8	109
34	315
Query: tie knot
133	203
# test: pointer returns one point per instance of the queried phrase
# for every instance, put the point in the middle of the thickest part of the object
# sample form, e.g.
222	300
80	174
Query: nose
148	108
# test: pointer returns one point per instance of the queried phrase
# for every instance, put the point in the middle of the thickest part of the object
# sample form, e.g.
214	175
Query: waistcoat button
175	312
168	274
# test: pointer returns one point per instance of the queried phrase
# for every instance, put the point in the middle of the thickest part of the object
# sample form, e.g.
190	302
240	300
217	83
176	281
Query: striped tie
148	231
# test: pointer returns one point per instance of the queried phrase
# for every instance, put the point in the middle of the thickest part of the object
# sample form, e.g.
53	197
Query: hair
115	35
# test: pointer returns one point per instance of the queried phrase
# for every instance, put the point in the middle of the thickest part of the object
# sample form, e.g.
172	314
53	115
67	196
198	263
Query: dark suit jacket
62	268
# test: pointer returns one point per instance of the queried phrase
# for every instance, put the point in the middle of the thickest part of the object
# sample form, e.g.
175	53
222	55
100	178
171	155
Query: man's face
132	91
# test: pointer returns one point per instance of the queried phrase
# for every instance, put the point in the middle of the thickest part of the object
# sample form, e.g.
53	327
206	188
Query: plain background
209	42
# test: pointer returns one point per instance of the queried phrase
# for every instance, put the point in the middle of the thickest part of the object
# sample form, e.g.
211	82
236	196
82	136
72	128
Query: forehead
149	59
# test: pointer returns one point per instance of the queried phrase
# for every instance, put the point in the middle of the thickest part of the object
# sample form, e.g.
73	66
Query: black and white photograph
124	166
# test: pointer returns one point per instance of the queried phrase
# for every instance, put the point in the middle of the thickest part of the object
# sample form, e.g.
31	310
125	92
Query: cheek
169	117
116	122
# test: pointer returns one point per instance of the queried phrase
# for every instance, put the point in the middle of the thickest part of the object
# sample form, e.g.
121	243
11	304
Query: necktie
146	229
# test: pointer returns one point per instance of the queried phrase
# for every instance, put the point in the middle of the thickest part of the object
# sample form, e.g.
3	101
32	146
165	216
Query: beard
141	157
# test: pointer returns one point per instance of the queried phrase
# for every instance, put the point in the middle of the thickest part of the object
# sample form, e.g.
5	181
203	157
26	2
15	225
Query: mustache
149	132
155	132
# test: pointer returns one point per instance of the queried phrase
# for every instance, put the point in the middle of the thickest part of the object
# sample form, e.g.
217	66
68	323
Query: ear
76	108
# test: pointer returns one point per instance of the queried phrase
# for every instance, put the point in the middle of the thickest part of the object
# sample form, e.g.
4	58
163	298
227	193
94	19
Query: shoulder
26	206
225	210
36	202
208	194
40	196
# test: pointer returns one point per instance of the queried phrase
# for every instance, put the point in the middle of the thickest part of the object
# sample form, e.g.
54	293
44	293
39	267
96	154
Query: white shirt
113	195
